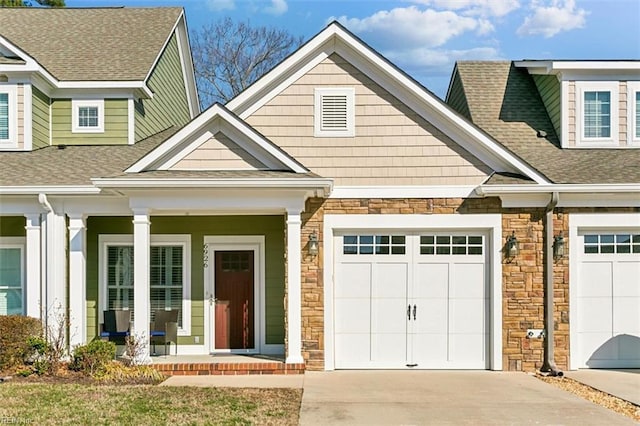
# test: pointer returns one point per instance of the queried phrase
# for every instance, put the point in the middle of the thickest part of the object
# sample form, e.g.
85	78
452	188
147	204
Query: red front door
234	295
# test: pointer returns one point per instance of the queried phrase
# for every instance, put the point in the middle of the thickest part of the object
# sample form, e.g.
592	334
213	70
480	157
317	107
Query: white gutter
51	190
213	183
566	188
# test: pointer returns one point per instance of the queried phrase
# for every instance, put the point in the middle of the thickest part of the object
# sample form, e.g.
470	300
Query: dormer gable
592	104
217	140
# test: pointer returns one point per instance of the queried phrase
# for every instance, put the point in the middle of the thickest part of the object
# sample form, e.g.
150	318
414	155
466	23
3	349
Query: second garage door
415	300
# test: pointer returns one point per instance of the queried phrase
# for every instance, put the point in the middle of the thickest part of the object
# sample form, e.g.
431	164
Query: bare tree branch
229	56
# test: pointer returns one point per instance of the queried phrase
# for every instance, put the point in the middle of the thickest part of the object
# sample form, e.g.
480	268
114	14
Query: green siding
115	124
457	98
169	104
40	119
12	226
549	89
272	227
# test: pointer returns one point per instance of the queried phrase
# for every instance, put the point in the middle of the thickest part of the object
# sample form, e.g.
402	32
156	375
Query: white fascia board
188	73
246	99
34	190
156	157
434	191
322	184
579	67
565	188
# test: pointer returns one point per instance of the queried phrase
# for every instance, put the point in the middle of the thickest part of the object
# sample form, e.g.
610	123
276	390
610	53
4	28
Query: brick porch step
227	368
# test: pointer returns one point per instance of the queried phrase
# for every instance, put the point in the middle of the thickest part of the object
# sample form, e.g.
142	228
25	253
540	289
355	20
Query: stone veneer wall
522	286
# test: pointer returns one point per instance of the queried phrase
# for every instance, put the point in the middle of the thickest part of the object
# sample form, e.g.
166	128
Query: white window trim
19	243
633	87
319	92
613	87
76	104
183	240
12	91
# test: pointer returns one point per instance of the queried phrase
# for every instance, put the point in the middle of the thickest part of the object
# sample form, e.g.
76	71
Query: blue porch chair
117	324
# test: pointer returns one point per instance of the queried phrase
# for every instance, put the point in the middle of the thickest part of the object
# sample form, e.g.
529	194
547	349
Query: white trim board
492	223
255	243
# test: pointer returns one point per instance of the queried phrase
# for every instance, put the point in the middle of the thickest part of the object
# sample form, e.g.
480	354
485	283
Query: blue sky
426	37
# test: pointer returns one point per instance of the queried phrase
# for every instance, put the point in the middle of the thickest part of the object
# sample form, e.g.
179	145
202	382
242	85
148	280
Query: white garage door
609	299
411	300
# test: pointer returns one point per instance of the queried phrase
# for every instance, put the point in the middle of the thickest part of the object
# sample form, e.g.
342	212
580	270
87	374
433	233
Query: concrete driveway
443	398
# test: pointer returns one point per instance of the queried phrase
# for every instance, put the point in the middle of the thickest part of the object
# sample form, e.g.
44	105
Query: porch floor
223	364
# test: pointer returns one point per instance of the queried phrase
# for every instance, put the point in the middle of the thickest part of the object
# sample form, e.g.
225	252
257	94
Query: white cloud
412	27
218	5
278	7
495	8
438	61
550	19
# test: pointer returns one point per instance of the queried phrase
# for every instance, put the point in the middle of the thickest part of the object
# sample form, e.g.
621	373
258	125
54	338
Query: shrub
118	373
94	356
15	330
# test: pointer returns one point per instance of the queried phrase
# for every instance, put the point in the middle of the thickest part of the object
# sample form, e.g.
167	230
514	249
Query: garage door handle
415	309
409	312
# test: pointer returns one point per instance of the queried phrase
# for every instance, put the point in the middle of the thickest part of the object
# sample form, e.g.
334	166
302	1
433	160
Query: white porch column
294	289
56	276
141	292
33	262
77	281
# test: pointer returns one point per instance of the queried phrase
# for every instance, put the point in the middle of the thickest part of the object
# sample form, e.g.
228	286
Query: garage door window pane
374	244
451	244
609	244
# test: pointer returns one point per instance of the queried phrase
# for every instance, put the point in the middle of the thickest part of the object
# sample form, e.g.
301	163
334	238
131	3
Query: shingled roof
73	165
503	100
91	44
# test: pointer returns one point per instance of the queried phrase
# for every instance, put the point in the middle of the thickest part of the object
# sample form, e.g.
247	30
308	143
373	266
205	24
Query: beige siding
572	114
392	146
622	114
218	153
115	124
549	89
40	119
20	113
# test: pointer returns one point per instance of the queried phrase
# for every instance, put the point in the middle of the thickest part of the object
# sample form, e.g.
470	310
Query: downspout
549	364
44	233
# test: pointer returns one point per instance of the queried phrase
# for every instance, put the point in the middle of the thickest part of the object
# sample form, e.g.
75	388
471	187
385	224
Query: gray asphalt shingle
91	44
503	100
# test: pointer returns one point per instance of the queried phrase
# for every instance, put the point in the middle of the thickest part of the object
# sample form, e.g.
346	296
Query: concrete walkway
624	384
443	398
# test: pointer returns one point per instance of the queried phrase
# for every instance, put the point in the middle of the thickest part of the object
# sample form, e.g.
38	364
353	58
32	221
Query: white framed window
8	116
169	275
12	274
87	116
633	107
597	110
334	112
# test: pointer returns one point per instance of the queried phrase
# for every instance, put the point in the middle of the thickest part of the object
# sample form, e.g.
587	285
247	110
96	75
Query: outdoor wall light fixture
312	247
512	247
558	246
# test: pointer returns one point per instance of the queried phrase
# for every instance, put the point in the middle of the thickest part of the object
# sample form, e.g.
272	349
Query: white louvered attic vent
334	112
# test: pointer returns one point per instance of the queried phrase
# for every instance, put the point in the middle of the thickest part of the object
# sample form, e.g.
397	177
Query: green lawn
32	403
